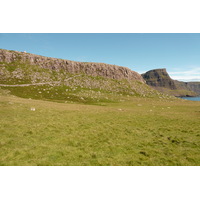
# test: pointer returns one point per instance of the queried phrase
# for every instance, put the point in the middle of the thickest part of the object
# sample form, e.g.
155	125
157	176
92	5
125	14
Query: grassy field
130	131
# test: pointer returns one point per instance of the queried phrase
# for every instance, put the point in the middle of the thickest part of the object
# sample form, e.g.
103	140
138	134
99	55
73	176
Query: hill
160	80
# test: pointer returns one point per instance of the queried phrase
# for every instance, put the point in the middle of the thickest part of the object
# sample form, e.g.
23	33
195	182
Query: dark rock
159	78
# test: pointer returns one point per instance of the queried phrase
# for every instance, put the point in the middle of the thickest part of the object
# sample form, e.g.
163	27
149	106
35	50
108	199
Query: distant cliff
88	68
194	86
160	80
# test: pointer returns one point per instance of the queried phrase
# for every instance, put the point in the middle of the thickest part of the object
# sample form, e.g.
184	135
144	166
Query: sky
179	53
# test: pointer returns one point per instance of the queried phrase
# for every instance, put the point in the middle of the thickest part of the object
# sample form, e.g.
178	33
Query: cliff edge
73	67
160	80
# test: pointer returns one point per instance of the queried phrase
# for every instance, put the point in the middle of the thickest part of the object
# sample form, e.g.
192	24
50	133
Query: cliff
194	86
160	80
88	68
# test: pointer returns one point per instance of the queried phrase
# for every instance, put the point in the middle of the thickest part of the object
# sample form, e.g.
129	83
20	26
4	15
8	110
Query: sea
192	98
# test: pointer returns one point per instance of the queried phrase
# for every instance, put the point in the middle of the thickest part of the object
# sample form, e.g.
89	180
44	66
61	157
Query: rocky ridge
73	67
159	78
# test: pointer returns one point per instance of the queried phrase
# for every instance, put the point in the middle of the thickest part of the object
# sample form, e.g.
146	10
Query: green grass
65	94
135	131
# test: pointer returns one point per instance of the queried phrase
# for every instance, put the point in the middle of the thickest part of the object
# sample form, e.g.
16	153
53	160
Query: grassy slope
135	131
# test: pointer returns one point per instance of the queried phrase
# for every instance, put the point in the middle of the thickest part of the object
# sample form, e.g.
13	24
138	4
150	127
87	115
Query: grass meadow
136	131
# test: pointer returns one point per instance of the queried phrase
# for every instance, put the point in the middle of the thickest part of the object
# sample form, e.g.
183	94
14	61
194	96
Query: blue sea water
192	98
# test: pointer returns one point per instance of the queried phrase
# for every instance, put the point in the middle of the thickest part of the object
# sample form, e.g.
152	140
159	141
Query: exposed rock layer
89	68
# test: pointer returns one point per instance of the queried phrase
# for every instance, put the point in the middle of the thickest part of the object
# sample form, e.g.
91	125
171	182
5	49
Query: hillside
160	80
38	77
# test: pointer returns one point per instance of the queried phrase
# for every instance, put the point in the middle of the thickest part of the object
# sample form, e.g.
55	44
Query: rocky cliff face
194	86
88	68
160	80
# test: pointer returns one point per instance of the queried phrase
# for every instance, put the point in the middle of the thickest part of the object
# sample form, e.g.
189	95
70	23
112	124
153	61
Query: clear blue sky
178	53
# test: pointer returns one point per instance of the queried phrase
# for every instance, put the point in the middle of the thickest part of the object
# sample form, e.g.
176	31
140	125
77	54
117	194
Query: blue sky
178	53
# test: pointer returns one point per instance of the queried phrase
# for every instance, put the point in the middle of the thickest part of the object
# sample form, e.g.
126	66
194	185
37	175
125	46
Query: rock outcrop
160	80
88	68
